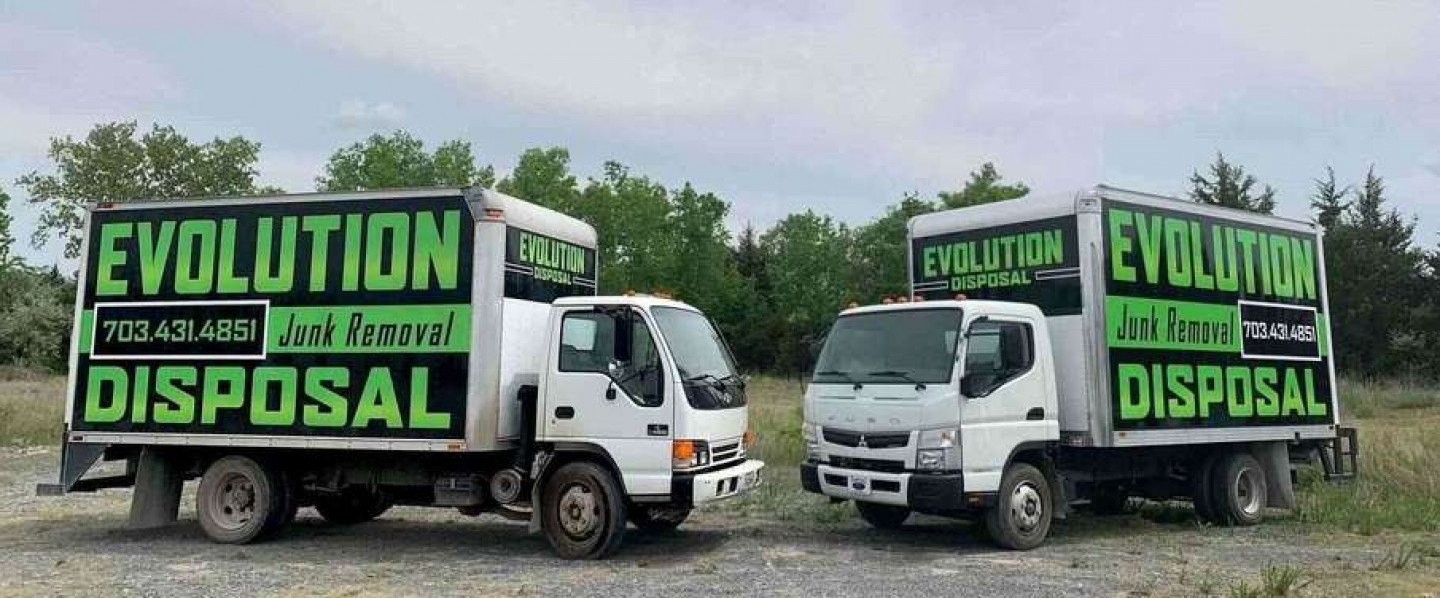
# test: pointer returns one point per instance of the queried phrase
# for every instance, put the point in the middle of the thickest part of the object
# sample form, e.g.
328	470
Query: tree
983	187
808	266
880	254
400	160
543	177
1373	268
1229	186
7	240
1329	200
111	165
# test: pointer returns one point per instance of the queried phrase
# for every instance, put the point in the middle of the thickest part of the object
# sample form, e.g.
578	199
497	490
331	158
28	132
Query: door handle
564	412
1035	414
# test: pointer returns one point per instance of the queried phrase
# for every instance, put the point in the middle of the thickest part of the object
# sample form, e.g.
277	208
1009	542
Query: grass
1399	483
32	407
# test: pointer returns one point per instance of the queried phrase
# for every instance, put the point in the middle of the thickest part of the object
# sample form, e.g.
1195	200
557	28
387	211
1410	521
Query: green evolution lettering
316	397
382	251
1000	261
552	260
1186	253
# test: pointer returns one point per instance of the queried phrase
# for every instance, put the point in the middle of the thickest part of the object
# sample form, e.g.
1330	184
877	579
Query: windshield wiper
845	375
899	374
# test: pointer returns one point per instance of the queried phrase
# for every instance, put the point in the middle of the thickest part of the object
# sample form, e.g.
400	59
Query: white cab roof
1003	308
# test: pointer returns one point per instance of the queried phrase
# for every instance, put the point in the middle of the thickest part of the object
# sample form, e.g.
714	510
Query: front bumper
695	489
925	492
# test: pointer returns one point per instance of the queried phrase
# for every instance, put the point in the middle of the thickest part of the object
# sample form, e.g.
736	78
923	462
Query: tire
289	504
354	504
1202	491
654	520
882	516
1020	520
1109	499
240	501
1240	491
584	511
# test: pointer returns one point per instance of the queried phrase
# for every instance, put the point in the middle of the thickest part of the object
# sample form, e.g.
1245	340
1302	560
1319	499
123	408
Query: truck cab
649	384
941	407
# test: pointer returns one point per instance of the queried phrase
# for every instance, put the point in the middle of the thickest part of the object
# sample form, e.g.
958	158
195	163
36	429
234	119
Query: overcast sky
777	107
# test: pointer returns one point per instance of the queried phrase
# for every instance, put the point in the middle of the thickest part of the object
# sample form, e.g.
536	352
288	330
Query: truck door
606	387
1003	392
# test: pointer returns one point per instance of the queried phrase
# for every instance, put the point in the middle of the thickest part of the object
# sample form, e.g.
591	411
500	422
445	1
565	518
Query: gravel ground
77	546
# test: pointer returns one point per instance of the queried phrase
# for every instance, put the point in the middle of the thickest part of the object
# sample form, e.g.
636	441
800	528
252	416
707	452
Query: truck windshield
912	346
705	364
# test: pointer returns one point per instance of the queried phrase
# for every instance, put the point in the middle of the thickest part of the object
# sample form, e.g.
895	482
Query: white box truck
1085	348
353	351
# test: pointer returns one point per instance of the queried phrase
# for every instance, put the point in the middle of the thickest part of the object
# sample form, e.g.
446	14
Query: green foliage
400	160
983	187
880	253
543	177
7	240
809	274
1329	200
1374	277
36	308
112	165
1230	187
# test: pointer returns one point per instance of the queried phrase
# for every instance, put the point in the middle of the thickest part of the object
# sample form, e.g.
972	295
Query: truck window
912	346
996	353
617	345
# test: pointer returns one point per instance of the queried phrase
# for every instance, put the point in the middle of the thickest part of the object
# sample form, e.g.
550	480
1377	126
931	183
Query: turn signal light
749	439
682	450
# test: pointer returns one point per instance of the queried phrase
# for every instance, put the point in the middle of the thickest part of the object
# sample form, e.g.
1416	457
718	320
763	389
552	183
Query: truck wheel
1240	490
882	516
1202	490
240	500
584	512
354	504
289	506
1020	520
658	519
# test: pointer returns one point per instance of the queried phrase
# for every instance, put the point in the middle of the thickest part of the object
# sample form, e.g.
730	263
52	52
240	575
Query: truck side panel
1214	325
327	322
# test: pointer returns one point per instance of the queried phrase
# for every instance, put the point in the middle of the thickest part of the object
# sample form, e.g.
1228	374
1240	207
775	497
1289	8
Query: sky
837	107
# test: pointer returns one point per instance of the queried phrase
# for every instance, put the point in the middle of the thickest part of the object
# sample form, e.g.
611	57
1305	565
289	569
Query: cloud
360	114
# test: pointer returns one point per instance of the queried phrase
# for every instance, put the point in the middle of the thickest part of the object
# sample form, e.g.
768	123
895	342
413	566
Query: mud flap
1274	457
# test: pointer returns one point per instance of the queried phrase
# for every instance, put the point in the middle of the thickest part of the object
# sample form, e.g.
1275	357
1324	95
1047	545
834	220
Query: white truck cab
921	406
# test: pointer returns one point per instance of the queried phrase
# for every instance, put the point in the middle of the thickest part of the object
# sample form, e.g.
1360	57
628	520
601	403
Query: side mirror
612	367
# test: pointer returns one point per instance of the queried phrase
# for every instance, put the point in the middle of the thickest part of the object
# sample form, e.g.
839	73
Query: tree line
773	292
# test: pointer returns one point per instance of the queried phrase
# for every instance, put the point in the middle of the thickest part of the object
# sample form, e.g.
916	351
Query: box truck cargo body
1118	343
350	351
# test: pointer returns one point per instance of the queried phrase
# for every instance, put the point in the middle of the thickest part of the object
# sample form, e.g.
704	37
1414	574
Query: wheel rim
232	505
1247	491
579	511
1026	508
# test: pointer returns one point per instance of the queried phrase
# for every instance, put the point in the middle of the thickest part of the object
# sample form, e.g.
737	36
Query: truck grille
875	440
885	465
726	452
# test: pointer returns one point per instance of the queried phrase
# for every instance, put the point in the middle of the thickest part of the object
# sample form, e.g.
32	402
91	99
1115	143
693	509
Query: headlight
687	454
812	443
930	459
938	449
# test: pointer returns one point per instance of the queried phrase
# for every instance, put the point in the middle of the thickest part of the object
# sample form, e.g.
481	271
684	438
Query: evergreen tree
1228	185
984	187
1329	200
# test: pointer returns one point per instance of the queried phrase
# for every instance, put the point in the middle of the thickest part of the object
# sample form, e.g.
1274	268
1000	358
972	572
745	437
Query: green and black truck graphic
314	318
1213	321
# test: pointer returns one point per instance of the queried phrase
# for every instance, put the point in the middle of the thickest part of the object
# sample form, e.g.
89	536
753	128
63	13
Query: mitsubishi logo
862	444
